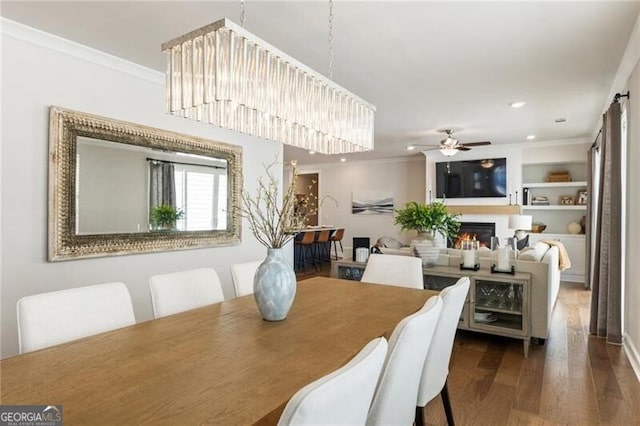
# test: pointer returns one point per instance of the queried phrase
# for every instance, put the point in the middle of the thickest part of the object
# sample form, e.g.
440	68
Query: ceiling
424	65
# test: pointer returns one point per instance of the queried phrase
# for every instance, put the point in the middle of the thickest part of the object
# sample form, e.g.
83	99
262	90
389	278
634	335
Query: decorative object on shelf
582	198
520	223
574	228
538	227
223	75
274	222
559	176
566	200
583	224
501	249
428	220
540	200
164	217
470	255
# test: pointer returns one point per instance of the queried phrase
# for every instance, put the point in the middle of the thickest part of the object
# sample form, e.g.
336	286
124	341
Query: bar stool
305	247
337	238
322	247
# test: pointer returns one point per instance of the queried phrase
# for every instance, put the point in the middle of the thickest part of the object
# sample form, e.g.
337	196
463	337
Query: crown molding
337	163
46	40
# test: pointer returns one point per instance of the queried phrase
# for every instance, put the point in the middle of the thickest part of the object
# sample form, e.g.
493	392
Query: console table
497	303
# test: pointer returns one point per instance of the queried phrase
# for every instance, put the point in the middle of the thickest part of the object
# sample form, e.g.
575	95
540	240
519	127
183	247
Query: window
201	193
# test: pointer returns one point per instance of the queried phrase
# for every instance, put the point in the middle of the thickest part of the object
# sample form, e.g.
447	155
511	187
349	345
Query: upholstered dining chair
398	385
342	397
181	291
436	365
49	319
242	275
390	269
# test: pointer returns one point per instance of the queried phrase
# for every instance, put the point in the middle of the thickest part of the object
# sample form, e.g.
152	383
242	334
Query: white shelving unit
558	216
555	207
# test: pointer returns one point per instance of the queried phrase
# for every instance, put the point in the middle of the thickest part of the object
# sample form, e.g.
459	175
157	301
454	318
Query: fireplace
481	231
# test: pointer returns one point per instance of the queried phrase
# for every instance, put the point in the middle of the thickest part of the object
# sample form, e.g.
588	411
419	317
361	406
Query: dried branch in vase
274	217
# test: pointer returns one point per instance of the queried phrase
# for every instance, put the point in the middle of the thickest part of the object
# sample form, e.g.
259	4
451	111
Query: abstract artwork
372	202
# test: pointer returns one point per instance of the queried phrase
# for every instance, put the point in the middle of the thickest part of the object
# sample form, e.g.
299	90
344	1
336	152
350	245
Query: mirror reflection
130	189
121	188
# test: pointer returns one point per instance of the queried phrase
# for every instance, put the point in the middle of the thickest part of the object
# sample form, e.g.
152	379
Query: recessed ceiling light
411	148
518	104
343	159
312	152
531	137
560	120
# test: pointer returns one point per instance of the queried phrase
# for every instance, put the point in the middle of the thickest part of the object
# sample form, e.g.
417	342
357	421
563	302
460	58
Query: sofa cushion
535	253
390	242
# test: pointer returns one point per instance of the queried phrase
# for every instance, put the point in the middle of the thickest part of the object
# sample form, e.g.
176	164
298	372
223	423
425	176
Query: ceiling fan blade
463	148
477	143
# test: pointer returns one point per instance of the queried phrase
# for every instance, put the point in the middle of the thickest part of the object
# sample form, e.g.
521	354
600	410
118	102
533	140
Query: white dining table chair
393	402
396	270
433	380
242	276
52	318
342	397
180	291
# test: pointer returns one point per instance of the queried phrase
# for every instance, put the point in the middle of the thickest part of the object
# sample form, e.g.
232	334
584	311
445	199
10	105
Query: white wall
404	178
39	70
632	231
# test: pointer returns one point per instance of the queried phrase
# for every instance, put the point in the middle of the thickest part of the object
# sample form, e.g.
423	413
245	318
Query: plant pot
274	286
427	247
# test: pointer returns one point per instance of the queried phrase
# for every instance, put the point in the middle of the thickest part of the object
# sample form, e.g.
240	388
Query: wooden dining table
219	364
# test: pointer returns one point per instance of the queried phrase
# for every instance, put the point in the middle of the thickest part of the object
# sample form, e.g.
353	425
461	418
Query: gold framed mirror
121	188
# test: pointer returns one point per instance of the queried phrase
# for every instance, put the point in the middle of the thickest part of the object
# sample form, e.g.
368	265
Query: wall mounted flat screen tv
472	178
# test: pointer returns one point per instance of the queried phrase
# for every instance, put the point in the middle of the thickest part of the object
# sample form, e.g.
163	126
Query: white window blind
199	194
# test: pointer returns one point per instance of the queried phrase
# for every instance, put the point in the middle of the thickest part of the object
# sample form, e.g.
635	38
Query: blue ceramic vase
274	286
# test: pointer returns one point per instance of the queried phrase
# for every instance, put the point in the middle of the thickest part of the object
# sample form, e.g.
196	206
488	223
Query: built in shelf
485	209
554	207
576	184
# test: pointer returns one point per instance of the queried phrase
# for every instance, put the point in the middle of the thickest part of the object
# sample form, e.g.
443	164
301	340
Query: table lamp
521	224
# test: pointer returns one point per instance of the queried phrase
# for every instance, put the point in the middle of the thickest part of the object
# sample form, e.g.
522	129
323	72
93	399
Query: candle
503	258
468	258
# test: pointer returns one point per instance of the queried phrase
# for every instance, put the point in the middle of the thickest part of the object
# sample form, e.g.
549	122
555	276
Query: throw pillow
535	252
523	243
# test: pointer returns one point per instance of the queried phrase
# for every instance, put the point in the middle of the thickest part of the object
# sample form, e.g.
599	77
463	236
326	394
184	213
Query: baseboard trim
572	278
632	354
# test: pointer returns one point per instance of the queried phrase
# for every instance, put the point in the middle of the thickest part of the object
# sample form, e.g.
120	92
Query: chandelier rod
242	13
330	39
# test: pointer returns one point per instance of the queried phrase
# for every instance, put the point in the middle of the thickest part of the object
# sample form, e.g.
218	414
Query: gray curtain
588	277
606	280
162	188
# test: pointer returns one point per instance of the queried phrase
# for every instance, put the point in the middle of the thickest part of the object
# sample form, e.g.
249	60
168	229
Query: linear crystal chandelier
224	75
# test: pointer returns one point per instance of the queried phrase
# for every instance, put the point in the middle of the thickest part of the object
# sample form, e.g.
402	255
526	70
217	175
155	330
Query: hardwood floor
573	379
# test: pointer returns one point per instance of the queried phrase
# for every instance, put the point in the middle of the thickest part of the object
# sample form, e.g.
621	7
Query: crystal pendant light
223	75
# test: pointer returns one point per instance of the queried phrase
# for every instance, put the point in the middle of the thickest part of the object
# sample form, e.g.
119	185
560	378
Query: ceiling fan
450	145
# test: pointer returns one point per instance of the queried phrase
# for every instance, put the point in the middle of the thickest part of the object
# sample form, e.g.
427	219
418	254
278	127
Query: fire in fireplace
481	231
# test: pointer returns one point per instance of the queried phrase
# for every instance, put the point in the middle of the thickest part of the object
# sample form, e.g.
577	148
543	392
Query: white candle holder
470	255
501	249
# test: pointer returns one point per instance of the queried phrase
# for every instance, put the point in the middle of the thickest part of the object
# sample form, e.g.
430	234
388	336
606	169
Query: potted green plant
428	220
164	216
